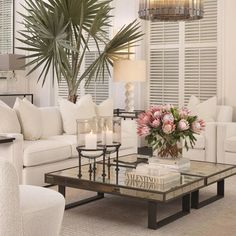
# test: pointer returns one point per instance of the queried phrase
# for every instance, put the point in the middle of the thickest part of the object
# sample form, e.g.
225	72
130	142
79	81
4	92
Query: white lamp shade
10	62
129	71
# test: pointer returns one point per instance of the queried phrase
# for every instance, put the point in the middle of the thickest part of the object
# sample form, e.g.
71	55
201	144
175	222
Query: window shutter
183	59
200	73
205	30
162	33
99	87
6	26
164	63
164	76
201	55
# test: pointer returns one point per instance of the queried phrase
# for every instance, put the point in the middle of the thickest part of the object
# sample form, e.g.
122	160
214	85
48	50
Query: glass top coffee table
199	176
212	173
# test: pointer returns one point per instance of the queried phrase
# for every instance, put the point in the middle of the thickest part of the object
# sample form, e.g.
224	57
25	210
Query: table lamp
129	71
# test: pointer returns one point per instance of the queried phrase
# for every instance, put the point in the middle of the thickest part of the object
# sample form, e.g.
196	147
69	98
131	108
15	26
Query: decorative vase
170	151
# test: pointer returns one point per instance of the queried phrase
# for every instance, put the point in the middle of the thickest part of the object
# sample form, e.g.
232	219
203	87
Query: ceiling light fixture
171	10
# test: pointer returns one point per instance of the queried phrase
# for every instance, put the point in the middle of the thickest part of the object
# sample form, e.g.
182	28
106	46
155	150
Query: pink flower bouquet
165	127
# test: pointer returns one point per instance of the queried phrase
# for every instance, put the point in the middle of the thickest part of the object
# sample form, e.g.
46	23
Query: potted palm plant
57	34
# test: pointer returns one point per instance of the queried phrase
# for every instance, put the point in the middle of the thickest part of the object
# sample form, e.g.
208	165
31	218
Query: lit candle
91	141
103	137
109	137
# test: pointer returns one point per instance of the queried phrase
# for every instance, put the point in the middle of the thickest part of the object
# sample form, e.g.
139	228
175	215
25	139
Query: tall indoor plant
57	34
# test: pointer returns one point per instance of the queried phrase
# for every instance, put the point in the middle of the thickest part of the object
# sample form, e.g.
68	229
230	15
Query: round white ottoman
42	211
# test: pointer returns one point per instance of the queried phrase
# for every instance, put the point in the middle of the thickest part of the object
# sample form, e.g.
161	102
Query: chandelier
171	10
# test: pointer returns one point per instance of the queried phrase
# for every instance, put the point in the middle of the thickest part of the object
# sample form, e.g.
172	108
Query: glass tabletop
127	165
207	169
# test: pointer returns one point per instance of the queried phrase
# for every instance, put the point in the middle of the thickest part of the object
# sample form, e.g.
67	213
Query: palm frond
57	34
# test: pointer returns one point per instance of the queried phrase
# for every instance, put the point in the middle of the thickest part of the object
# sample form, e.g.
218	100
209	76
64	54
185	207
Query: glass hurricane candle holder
110	130
87	133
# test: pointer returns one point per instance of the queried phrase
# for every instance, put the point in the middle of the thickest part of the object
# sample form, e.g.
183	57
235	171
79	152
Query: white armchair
27	210
205	148
226	143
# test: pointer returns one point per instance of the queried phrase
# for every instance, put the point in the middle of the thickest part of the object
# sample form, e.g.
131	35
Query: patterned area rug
117	216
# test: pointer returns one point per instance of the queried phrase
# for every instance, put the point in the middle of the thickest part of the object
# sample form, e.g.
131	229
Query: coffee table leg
196	204
62	190
152	213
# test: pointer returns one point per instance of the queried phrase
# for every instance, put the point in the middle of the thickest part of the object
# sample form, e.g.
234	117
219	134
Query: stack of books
148	174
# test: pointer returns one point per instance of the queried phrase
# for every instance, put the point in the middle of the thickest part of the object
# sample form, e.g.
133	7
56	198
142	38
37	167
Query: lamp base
129	94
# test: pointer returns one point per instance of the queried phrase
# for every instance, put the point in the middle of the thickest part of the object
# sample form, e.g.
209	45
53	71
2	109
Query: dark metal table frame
152	213
220	191
195	202
152	208
4	139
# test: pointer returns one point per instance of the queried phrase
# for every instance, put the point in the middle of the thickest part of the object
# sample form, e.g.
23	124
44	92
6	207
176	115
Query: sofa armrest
129	137
13	152
224	131
225	114
210	141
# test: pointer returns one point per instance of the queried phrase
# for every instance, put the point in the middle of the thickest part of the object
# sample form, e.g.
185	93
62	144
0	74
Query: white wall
229	54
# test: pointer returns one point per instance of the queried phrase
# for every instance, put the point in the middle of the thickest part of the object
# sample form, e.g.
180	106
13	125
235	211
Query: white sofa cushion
192	104
71	112
30	119
45	151
200	143
9	122
105	108
230	144
206	110
51	122
69	139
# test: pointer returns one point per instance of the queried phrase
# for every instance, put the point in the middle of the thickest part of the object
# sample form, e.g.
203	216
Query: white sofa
55	150
226	143
27	210
206	144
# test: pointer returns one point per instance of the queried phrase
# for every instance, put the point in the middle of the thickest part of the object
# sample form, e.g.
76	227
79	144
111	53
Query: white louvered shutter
201	55
164	76
99	87
183	59
164	63
6	31
200	73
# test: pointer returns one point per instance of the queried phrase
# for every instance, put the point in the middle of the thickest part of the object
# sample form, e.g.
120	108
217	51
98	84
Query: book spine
153	179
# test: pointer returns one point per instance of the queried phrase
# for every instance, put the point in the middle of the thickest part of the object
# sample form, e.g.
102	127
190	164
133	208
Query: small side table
4	139
96	153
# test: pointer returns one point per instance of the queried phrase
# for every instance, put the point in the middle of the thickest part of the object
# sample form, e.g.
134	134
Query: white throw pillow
30	119
9	122
105	108
206	110
192	104
85	100
71	112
